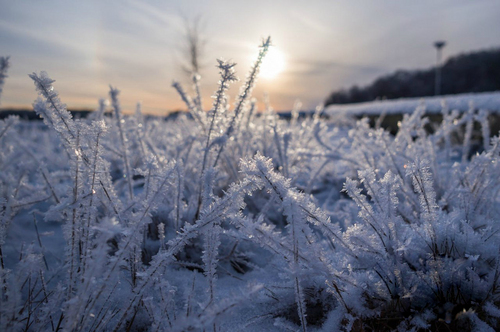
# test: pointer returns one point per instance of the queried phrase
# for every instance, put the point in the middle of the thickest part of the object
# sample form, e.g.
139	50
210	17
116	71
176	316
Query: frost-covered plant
244	95
227	76
113	93
422	245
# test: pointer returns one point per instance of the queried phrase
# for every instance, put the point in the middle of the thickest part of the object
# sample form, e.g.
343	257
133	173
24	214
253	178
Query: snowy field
434	105
236	220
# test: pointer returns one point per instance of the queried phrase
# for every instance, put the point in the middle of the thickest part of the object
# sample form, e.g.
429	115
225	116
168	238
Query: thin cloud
161	16
312	67
55	40
309	22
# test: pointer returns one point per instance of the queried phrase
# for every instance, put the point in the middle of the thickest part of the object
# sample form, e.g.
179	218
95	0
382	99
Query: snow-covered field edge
461	102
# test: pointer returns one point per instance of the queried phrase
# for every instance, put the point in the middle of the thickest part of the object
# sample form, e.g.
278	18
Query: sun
273	63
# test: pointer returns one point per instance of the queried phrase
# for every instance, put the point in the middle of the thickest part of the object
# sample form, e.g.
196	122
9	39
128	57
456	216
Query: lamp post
439	46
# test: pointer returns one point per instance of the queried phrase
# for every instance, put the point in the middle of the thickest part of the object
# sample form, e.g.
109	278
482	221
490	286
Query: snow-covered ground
489	101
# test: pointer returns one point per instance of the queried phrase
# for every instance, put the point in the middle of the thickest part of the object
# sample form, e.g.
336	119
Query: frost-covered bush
426	242
237	220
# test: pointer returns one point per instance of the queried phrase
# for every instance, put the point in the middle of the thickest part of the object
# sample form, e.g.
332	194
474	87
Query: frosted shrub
426	248
246	223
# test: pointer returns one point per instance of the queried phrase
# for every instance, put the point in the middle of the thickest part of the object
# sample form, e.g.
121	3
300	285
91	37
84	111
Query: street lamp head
439	44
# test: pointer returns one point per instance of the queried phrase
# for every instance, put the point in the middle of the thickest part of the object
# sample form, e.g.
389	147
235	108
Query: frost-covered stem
391	156
226	71
447	144
419	183
482	118
52	190
295	113
91	202
249	84
197	100
113	93
108	196
246	92
469	118
265	124
301	308
180	185
210	259
399	177
317	113
46	294
74	219
299	296
40	243
148	182
140	129
277	141
18	186
363	205
133	266
253	104
29	304
190	296
4	65
421	176
286	142
247	142
189	103
102	108
4	223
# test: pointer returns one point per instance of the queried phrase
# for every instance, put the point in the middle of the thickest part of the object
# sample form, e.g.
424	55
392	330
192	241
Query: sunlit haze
319	46
273	63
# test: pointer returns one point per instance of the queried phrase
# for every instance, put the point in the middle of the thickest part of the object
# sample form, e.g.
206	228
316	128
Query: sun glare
273	63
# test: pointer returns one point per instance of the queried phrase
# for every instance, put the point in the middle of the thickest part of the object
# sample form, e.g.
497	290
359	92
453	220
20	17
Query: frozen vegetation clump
238	220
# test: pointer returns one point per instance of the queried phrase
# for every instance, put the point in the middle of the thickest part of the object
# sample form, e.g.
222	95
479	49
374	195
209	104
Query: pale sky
135	45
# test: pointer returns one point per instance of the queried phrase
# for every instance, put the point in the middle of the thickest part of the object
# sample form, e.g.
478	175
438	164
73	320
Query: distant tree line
471	72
